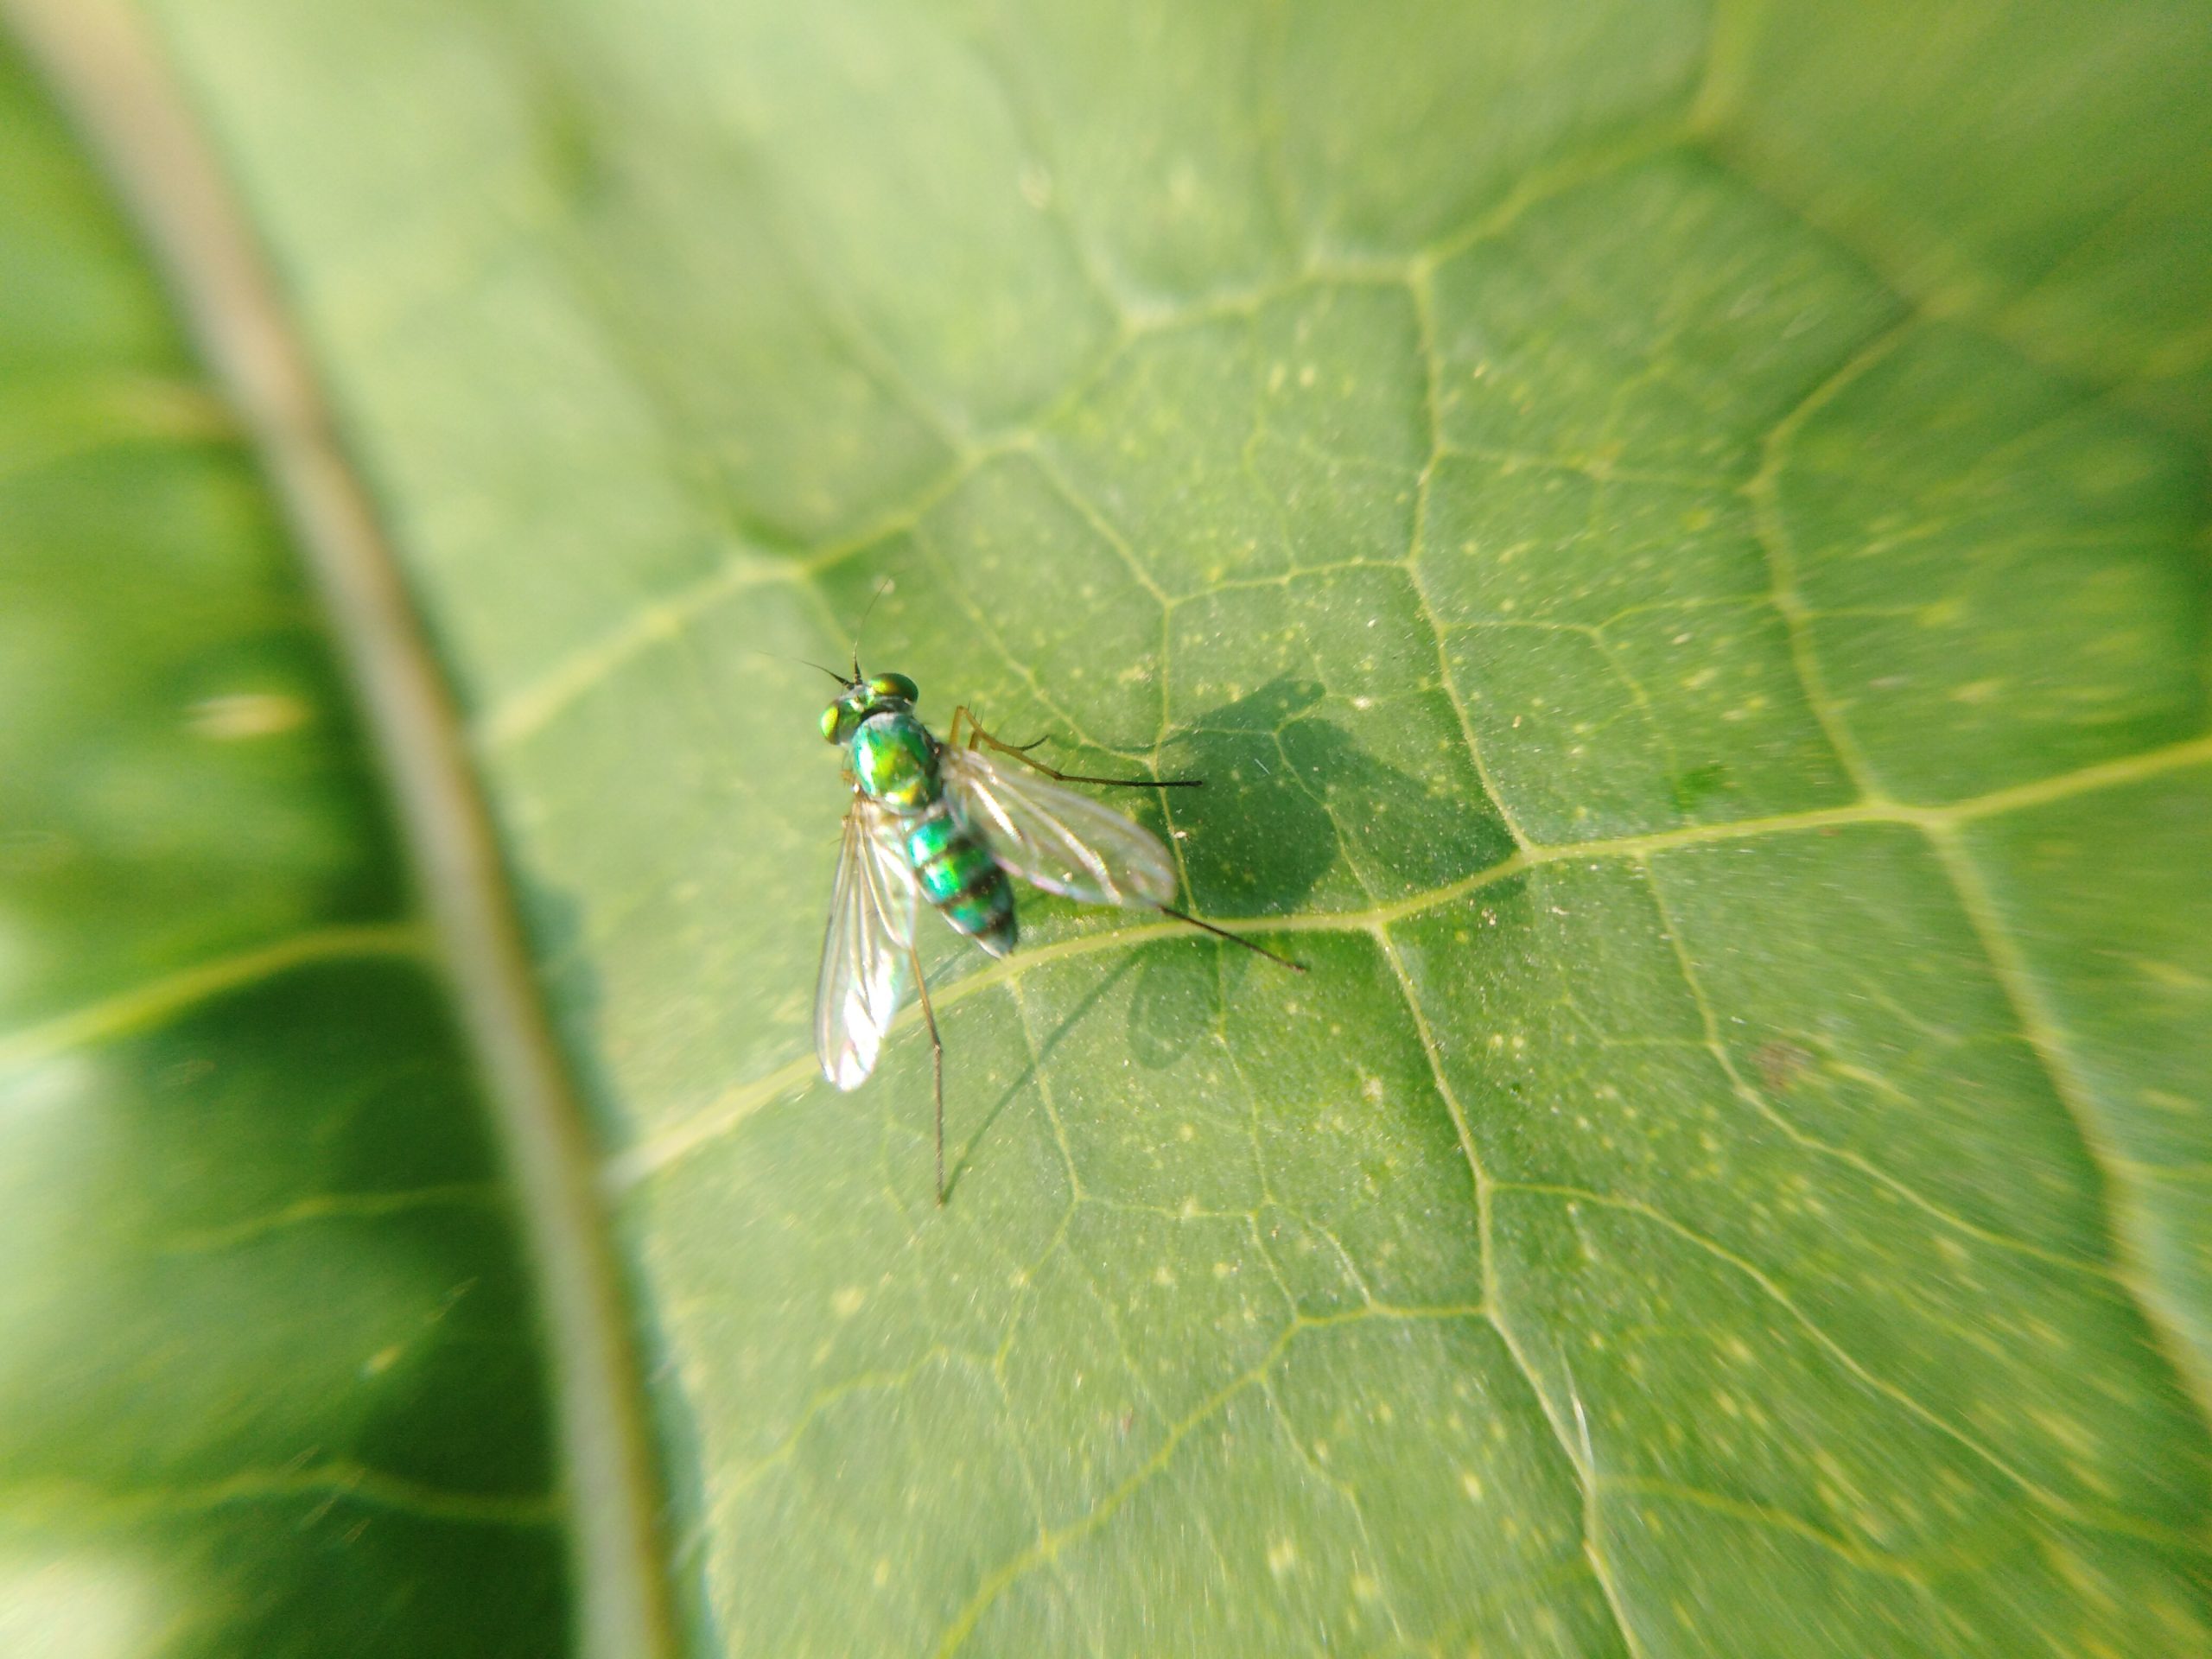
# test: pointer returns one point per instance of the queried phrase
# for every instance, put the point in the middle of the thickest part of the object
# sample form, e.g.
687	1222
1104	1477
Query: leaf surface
1677	542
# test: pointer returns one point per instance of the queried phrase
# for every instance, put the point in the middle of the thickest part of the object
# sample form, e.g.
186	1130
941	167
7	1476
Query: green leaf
271	1381
1678	543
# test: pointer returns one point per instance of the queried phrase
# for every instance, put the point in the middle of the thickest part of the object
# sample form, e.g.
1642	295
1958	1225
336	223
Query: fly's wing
1056	839
864	952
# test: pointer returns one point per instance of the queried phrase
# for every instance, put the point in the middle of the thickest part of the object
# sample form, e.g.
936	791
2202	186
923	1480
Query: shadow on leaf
1290	792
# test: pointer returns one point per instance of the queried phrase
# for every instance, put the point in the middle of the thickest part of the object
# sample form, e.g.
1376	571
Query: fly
947	823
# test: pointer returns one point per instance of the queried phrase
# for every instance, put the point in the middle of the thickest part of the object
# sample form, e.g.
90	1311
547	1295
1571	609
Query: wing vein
864	947
1058	840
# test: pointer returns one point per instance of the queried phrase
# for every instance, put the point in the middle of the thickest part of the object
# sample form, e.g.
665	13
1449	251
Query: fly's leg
937	1061
1234	938
978	737
974	732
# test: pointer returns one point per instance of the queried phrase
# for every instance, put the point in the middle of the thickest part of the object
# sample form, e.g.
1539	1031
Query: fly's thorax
894	761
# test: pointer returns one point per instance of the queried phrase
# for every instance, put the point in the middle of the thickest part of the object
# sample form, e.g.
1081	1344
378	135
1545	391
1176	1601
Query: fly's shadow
1176	1001
957	1166
1291	794
1258	838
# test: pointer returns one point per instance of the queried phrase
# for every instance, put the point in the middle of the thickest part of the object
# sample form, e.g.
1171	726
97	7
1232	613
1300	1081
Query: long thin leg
936	1061
1234	938
1021	752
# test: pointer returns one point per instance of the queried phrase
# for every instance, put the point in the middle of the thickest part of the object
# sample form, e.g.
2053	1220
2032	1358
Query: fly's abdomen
962	881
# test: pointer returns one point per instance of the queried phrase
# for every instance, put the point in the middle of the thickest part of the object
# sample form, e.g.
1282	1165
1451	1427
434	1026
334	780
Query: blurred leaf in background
270	1366
1678	540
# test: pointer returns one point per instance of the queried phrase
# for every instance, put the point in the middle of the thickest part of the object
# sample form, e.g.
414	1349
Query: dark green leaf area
270	1382
176	775
273	1378
366	1212
79	299
181	779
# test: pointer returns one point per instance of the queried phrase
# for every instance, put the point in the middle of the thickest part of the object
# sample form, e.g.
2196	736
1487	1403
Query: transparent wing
864	952
1056	839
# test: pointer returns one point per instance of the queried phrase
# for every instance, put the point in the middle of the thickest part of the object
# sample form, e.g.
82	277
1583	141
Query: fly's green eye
893	685
832	717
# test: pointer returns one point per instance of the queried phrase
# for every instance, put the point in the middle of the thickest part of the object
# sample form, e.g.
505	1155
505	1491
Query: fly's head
864	696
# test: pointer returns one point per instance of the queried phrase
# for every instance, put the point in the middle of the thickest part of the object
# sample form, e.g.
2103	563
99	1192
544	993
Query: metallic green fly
949	823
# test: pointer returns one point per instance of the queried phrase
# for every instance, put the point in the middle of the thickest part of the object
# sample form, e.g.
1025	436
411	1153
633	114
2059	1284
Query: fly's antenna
777	657
882	586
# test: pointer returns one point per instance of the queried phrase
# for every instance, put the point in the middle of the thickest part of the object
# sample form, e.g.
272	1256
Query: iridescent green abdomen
894	761
959	877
